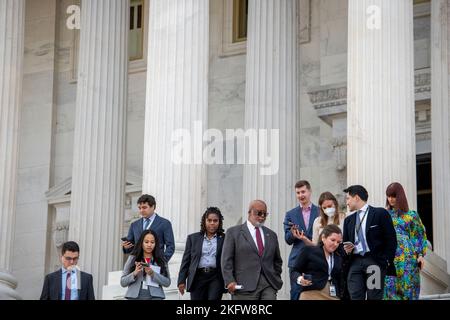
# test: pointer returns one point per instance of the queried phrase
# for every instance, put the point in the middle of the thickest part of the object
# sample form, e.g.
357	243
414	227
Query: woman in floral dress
412	246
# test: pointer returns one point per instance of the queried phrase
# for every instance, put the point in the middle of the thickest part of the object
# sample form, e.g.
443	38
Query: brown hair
328	231
396	191
323	217
303	183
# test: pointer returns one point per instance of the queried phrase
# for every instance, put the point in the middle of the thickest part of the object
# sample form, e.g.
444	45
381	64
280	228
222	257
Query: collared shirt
306	212
252	230
361	213
209	252
73	283
151	219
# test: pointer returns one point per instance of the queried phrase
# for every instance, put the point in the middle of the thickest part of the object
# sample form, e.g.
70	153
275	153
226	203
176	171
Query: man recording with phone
298	229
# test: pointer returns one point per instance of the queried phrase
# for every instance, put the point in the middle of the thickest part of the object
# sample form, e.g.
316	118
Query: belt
206	270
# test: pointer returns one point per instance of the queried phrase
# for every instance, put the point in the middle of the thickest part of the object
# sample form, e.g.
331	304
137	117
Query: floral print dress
412	243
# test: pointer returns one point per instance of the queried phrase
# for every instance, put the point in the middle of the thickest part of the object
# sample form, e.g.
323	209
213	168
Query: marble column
12	26
440	122
98	178
271	105
381	107
177	98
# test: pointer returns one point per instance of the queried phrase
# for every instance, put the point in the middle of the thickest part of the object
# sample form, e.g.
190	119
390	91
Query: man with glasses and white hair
251	260
68	283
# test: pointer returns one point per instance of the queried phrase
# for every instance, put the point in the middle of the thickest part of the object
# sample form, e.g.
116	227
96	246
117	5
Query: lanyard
330	265
362	220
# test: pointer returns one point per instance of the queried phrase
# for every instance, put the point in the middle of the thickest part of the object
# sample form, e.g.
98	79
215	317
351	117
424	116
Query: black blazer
52	287
380	236
312	261
191	259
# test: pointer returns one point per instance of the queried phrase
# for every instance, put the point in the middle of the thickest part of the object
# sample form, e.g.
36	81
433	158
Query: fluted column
381	107
271	104
12	26
440	122
98	183
177	98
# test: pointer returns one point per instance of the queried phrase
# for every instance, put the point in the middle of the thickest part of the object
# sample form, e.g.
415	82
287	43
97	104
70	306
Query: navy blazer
191	258
52	289
163	229
295	216
380	236
312	261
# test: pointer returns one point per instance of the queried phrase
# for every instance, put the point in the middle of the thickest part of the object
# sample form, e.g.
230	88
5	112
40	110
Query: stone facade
48	124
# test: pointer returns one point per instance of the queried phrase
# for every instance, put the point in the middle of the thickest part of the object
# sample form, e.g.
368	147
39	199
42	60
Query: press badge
358	246
333	290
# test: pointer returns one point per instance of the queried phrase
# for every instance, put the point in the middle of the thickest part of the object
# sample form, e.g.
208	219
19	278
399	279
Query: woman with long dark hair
200	270
411	248
146	271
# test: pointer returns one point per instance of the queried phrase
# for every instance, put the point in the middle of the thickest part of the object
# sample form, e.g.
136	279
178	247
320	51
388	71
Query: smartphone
348	243
307	277
124	239
145	265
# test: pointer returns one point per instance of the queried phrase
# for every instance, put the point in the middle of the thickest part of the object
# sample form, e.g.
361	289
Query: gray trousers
264	291
360	282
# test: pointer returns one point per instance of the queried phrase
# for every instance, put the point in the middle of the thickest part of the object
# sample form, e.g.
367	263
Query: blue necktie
361	238
146	223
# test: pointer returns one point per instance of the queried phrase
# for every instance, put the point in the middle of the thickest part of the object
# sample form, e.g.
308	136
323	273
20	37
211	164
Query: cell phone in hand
124	239
348	243
145	265
307	277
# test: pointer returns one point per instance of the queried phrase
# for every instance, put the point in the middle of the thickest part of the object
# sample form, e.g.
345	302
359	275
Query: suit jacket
163	229
380	236
135	284
241	262
191	258
312	261
295	216
52	289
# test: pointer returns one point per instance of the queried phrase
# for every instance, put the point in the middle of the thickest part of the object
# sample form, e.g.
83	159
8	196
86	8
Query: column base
8	285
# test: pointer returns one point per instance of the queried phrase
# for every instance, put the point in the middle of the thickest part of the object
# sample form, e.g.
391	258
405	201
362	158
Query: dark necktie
68	286
146	224
259	242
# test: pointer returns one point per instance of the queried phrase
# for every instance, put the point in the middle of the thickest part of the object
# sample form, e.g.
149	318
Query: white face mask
330	212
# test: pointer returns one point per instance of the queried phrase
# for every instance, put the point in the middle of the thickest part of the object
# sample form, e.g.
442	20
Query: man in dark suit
150	220
298	226
68	283
371	241
251	260
201	260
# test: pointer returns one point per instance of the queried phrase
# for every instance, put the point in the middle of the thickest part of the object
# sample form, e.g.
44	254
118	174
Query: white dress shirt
252	230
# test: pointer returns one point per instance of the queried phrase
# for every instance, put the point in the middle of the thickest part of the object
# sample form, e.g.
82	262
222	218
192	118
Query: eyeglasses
260	213
71	259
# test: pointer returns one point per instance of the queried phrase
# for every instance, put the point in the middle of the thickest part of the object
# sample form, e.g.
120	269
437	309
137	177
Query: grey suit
242	264
135	284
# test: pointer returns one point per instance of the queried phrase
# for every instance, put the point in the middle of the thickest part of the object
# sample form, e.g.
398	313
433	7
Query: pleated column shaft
381	107
12	26
177	97
271	104
440	122
98	183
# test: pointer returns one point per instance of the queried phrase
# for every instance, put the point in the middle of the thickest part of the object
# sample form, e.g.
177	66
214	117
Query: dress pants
207	285
359	280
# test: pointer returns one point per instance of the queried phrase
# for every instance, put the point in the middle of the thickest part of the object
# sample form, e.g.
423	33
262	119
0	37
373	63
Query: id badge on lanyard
332	290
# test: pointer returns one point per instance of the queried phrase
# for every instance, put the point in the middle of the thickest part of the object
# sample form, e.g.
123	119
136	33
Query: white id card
333	290
359	246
